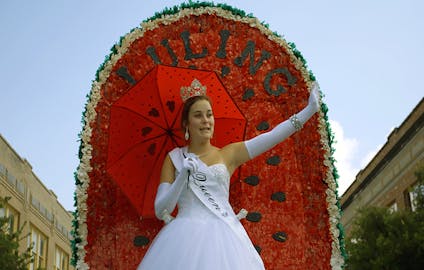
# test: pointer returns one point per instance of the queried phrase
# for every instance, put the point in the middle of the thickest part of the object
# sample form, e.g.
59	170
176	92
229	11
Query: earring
186	135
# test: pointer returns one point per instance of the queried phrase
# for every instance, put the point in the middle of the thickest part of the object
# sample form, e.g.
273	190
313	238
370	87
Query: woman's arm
169	190
168	171
238	153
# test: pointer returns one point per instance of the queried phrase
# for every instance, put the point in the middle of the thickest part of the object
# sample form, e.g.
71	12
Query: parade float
131	121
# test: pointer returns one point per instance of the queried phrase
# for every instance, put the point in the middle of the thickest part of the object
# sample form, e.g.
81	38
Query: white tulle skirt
199	244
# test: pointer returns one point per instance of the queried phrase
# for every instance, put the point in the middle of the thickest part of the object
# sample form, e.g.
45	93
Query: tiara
195	89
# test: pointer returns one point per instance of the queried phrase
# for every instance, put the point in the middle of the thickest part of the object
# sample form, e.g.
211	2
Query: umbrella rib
136	145
178	113
174	140
142	116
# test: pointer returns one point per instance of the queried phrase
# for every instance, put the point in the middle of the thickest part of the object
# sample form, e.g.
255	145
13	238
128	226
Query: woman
206	233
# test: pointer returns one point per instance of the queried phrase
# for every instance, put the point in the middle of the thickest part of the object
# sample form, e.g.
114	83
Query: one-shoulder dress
205	234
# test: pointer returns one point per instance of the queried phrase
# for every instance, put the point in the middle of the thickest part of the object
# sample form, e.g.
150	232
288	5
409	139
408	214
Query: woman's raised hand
314	97
267	140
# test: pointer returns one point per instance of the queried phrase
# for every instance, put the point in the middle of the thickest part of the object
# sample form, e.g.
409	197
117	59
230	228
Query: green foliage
198	4
382	239
331	141
76	237
10	258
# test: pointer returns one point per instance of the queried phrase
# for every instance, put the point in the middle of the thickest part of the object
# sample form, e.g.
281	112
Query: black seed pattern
170	105
140	241
280	236
254	216
274	160
262	126
252	180
154	112
146	130
248	94
278	196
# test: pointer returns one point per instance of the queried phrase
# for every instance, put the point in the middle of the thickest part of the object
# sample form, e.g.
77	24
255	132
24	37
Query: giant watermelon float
290	191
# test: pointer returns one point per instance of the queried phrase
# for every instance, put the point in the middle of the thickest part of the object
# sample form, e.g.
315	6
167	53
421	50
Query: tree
382	239
10	258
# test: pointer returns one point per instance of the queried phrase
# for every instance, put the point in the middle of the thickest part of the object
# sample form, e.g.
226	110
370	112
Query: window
39	249
2	170
35	203
49	216
62	229
43	210
411	198
13	217
11	179
61	260
393	207
20	186
412	195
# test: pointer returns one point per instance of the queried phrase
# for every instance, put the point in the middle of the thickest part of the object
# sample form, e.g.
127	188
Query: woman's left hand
314	96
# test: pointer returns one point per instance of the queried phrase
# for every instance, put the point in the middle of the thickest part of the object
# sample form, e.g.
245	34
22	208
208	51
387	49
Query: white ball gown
206	234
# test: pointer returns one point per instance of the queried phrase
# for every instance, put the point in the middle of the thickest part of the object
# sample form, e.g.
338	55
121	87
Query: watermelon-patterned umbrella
145	125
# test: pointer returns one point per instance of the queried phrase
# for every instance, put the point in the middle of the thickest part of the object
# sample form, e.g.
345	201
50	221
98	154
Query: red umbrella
145	126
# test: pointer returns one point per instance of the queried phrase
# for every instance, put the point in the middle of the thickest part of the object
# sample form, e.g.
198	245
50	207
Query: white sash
213	195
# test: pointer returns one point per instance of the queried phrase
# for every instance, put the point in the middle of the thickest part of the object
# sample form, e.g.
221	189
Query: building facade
46	224
389	178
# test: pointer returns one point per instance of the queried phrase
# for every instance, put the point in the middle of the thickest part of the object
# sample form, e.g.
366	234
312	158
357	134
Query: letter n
249	50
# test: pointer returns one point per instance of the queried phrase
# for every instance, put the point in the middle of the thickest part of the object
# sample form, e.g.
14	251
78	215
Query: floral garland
168	17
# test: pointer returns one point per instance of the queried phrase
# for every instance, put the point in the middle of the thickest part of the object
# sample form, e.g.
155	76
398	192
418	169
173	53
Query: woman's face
200	120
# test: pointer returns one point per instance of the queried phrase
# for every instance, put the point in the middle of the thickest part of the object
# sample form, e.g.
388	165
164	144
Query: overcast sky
366	55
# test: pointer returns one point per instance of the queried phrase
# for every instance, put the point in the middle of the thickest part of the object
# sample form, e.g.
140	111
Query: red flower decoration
268	84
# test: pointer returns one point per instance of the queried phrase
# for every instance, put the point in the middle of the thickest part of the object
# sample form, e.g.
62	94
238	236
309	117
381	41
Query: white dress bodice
189	205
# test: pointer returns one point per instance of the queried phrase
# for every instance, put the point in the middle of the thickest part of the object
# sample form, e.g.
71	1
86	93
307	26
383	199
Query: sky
366	55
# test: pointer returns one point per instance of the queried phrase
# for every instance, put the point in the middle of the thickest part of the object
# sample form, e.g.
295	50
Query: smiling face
200	120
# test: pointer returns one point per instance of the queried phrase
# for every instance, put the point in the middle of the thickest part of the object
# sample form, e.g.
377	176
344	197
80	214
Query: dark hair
186	108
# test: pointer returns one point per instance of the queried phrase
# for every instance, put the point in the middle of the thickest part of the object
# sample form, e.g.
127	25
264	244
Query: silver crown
195	89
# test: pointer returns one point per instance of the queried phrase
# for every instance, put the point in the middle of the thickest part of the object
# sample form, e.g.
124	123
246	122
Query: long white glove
168	194
266	141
